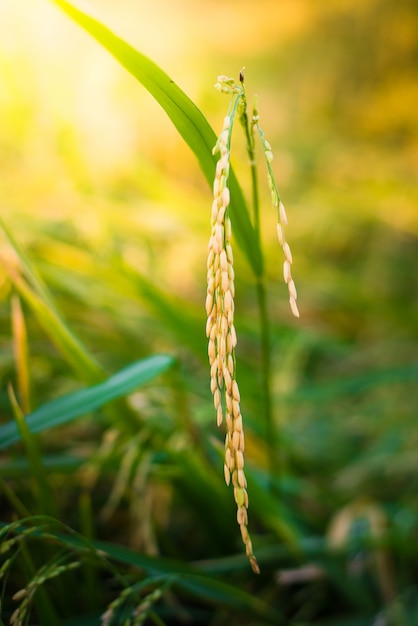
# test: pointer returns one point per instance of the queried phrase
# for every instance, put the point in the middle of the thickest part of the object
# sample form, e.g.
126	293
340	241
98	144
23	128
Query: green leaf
176	314
185	115
56	463
37	295
71	406
356	384
221	593
33	452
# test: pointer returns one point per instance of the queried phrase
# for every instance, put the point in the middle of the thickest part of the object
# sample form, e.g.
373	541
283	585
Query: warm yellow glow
79	136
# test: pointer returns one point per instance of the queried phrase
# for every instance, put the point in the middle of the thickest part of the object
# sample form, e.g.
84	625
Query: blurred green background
110	206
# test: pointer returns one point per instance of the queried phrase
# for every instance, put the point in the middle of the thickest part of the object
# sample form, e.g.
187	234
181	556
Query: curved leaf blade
32	289
69	407
185	115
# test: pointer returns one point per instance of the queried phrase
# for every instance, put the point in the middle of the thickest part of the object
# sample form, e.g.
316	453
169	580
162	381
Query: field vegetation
113	503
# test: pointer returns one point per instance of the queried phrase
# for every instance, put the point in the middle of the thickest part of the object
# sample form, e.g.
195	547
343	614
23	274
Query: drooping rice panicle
281	215
220	328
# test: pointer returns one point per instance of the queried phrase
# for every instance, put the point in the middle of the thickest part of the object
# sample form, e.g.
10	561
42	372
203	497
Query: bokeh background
111	208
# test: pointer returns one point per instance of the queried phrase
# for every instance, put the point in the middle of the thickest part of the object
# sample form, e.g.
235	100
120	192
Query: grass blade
71	406
218	592
74	352
362	383
185	115
36	467
35	293
21	350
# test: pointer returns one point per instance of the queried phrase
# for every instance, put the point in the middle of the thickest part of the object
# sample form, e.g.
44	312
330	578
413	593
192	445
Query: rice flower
222	338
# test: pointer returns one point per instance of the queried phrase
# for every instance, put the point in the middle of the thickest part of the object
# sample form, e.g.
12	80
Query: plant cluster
112	496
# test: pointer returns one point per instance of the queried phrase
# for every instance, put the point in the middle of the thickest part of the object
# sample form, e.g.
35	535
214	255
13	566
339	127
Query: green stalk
89	574
272	438
13	499
271	433
38	474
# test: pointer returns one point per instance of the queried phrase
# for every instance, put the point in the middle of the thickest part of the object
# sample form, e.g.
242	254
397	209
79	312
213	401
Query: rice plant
113	502
220	306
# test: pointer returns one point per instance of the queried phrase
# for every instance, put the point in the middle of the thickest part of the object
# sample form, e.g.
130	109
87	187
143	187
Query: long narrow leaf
69	345
35	292
356	384
224	594
185	115
36	466
71	406
30	271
